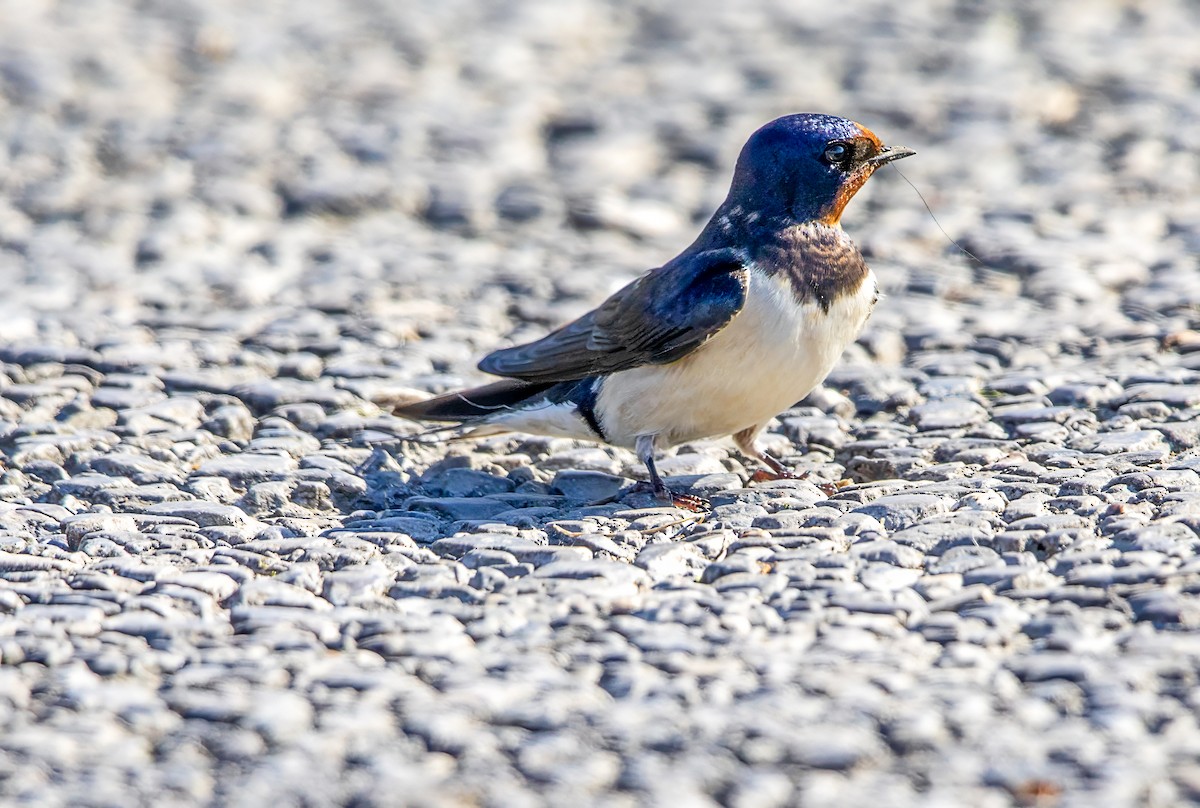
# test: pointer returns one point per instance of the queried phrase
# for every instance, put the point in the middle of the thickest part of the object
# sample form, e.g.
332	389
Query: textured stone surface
233	235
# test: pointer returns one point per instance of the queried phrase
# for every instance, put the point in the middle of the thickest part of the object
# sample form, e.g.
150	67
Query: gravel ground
231	234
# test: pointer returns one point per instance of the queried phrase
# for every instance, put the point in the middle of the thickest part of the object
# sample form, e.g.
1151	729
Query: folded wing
658	318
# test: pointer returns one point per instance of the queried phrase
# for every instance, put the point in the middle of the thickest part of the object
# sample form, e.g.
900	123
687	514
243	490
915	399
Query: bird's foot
767	476
828	488
831	487
688	502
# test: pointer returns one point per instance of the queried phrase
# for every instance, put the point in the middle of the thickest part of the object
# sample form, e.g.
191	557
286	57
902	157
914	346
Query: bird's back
809	296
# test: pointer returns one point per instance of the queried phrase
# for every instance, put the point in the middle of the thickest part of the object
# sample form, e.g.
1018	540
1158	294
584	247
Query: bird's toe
688	502
766	476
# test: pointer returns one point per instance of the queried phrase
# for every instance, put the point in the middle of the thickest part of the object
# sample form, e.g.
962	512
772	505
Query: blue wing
658	318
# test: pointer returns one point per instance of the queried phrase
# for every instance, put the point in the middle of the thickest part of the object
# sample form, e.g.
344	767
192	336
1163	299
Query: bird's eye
836	153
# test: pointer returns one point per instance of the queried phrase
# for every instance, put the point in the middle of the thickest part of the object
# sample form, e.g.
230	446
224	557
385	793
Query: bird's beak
890	154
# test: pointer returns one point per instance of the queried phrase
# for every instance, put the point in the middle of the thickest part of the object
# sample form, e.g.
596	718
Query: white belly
770	356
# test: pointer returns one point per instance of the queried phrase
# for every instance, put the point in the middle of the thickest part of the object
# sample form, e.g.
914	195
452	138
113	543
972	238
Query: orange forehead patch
869	135
833	212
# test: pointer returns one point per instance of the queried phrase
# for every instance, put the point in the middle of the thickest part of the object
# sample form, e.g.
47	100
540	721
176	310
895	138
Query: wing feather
658	318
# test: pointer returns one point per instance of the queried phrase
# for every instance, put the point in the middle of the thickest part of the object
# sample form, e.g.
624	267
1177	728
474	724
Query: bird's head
807	166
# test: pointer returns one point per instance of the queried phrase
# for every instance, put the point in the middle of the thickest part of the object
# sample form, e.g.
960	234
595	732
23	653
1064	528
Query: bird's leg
775	470
744	440
645	452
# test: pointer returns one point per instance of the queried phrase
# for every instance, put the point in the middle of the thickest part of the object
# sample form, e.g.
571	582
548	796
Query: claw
828	488
765	476
688	502
775	469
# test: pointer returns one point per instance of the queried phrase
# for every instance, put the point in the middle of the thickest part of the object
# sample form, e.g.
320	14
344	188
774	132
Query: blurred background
393	160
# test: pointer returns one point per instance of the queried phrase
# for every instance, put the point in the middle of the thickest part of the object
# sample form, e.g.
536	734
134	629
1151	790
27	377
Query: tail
475	404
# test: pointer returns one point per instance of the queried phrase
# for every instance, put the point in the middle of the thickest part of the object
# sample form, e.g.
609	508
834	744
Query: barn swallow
734	330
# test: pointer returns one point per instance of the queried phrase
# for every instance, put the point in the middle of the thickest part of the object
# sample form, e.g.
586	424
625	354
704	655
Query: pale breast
773	353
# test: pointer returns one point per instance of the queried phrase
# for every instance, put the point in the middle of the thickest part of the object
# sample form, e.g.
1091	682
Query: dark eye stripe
845	154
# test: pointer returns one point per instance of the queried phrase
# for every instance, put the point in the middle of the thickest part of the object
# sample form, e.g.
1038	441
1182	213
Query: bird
734	330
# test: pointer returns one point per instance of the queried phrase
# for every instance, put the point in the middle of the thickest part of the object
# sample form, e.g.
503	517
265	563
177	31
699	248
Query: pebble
204	514
458	508
898	511
587	486
665	560
1120	442
247	468
222	275
467	483
950	413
